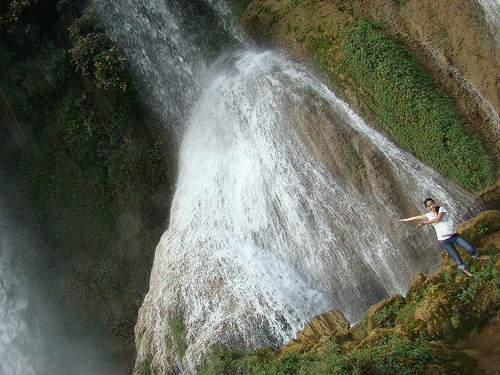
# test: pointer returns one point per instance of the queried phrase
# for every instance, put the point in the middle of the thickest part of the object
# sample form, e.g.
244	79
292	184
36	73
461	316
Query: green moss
144	367
176	324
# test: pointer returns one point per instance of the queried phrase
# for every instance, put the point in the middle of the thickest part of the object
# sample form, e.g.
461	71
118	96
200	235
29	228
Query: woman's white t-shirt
444	228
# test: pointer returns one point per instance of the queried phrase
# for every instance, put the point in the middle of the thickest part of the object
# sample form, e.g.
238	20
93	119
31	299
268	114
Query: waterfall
286	203
19	348
165	44
270	224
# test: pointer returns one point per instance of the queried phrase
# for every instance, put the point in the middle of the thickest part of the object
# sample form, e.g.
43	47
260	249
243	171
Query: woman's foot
467	272
483	257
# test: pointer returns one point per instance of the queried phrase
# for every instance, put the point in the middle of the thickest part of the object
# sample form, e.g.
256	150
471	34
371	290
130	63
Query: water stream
492	11
270	224
19	347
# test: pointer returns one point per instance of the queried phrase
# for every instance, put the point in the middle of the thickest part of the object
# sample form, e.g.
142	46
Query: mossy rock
482	226
381	315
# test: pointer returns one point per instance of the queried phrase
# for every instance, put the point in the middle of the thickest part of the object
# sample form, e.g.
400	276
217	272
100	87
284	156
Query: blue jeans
450	248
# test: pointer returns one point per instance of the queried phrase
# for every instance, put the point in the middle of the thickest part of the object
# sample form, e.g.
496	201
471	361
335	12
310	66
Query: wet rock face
452	40
331	322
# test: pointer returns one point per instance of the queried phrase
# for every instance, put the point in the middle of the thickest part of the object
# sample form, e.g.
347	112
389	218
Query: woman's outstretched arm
420	217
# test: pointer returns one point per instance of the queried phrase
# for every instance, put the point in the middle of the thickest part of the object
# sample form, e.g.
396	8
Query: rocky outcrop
449	309
332	321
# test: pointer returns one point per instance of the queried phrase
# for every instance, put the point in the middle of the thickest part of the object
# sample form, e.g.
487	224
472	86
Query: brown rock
434	312
417	282
480	228
330	323
381	315
485	347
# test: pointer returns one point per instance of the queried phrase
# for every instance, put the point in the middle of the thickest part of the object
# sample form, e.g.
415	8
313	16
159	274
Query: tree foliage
94	53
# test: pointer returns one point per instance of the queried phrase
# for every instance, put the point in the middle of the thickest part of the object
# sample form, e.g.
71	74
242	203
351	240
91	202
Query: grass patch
393	357
402	99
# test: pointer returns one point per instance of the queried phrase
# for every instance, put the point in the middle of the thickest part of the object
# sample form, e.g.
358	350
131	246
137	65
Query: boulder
330	323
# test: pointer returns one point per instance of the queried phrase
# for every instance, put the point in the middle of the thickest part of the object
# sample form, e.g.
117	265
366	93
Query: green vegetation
402	99
177	327
484	226
351	155
472	301
94	53
394	356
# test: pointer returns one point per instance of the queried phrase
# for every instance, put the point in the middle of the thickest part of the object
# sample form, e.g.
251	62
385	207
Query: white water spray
268	228
492	11
33	338
164	44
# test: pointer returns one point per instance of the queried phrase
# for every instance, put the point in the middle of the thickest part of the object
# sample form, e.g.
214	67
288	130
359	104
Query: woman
446	233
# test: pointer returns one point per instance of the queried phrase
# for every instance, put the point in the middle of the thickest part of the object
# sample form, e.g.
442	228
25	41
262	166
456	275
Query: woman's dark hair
430	200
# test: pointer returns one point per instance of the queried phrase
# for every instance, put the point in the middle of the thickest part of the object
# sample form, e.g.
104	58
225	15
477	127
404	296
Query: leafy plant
94	53
482	228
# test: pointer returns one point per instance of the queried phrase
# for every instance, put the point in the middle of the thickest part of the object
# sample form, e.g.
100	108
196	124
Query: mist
35	337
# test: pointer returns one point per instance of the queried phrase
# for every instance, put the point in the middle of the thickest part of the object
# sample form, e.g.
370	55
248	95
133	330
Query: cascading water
165	46
19	347
269	225
33	340
286	202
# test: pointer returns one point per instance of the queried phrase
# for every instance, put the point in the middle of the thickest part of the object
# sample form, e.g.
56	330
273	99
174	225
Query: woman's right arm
420	217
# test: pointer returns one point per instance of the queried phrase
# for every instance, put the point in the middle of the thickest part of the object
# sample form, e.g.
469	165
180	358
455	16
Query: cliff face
450	40
453	42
